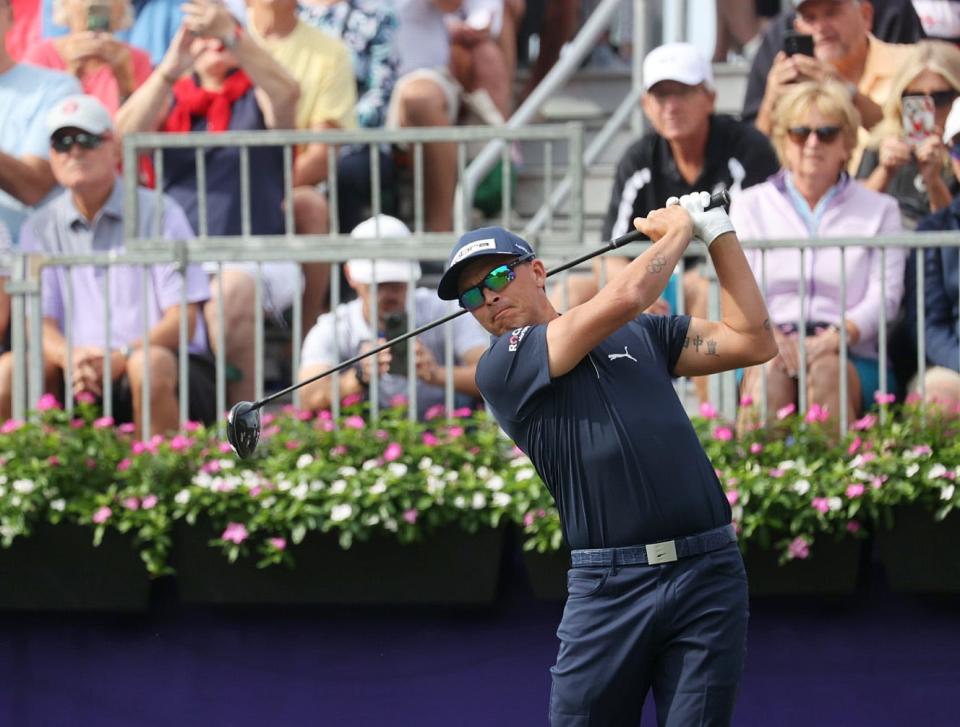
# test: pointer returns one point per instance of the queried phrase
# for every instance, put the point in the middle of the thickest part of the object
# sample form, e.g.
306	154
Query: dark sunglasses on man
824	134
496	280
64	141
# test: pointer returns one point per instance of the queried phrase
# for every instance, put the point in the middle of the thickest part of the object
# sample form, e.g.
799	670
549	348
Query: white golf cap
951	126
680	62
79	112
385	271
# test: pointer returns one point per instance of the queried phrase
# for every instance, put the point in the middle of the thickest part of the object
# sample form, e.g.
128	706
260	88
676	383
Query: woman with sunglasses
814	133
908	158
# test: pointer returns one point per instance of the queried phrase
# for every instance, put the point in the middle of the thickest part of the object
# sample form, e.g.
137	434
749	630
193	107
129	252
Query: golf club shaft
718	199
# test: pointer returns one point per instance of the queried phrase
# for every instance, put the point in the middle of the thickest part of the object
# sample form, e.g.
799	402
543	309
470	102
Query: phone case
918	118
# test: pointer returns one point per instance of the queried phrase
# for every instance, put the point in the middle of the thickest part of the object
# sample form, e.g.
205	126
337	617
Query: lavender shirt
58	228
768	211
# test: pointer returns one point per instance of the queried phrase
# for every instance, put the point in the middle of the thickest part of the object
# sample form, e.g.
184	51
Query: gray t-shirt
352	329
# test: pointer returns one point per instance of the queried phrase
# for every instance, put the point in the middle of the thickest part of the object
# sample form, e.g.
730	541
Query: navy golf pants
679	628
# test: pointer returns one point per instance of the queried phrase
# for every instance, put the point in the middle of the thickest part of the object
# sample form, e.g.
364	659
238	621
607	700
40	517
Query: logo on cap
472	247
70	106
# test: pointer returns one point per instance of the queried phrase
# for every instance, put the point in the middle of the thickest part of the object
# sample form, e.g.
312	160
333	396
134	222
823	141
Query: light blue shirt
27	93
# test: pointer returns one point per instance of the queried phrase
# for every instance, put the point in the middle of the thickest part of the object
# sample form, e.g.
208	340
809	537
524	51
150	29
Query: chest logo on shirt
516	337
625	354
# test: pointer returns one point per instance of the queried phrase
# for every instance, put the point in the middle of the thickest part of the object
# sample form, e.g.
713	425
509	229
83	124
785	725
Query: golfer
657	591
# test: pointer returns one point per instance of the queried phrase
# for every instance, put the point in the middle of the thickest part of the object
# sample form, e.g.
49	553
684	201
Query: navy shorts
679	628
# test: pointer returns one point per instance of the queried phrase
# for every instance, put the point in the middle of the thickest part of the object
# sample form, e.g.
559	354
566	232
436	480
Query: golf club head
243	428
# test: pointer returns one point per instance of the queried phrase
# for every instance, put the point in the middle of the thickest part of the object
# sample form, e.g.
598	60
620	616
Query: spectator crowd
850	128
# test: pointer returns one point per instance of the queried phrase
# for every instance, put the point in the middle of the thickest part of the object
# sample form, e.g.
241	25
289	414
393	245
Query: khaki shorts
441	77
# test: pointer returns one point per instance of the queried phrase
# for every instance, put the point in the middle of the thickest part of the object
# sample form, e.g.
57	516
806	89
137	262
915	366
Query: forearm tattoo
658	263
709	346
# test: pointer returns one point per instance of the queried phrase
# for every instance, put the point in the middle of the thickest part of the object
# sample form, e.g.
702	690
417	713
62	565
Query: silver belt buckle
665	552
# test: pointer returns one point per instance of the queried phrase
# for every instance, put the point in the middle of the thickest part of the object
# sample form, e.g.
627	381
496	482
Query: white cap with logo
385	271
951	127
680	62
79	111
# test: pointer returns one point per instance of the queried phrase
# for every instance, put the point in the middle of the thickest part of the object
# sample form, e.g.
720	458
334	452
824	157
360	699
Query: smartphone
98	18
795	43
395	324
918	118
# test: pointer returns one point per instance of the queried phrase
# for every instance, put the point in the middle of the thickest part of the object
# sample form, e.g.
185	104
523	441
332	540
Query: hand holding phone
918	118
395	324
795	43
98	17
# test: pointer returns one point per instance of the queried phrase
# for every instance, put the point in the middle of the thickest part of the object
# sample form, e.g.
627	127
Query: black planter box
919	554
449	567
58	568
547	573
831	569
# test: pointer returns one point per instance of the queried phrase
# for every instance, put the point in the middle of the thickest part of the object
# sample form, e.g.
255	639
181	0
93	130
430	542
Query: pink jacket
767	212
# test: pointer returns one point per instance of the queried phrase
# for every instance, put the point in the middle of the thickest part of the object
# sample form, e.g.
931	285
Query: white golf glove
708	225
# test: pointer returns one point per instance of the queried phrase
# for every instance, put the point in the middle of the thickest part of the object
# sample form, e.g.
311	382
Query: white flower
519	461
284	485
397	469
370	464
3	490
338	487
834	503
947	492
182	497
301	491
912	470
501	499
390	524
787	464
16	501
525	474
268	502
3	479
435	485
371	520
202	479
304	460
483	472
347	471
24	487
938	470
856	461
227	464
339	513
316	485
7	531
59	505
737	512
859	474
801	487
379	487
460	501
436	470
495	483
451	476
479	501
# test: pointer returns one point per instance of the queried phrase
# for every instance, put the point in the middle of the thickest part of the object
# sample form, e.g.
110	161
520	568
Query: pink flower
103	423
732	497
820	504
269	432
351	399
191	426
746	400
180	443
124	464
816	413
131	503
278	543
854	490
411	516
922	449
785	411
517	452
434	411
756	448
127	428
224	448
235	533
455	432
528	519
799	548
304	415
48	401
724	434
382	435
429	439
864	423
776	472
463	411
211	467
854	445
877	482
85	397
325	414
255	490
881	398
338	451
398	400
77	424
11	425
149	502
913	398
853	527
867	457
91	463
292	444
327	425
354	422
707	411
392	452
101	515
268	419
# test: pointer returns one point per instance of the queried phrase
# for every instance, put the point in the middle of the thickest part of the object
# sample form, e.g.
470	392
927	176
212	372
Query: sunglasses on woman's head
825	134
64	142
941	99
496	280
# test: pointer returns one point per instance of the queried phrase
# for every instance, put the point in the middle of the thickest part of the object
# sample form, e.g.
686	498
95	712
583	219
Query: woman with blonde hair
814	133
911	164
107	68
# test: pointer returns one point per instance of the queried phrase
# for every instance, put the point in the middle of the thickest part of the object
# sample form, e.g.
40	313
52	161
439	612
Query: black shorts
201	390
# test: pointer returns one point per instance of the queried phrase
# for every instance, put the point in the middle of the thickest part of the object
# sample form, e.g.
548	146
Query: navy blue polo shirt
610	438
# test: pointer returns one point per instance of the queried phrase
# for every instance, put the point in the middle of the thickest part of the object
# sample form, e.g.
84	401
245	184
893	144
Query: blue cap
474	244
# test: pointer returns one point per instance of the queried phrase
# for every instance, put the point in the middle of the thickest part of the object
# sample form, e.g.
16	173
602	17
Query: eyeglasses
941	99
825	134
496	280
64	142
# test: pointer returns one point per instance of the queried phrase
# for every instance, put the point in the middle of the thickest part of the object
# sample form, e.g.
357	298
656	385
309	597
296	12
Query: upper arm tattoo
707	347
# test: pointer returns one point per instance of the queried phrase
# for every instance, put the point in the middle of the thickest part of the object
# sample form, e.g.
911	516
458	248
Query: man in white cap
690	148
347	331
89	217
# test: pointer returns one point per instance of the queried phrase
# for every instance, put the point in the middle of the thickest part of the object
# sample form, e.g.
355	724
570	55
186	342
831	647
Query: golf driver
243	421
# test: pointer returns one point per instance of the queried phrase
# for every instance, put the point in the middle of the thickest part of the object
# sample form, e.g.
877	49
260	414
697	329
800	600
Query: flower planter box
449	567
547	573
58	568
831	569
919	554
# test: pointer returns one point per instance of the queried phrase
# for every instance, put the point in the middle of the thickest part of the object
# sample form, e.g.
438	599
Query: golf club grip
717	199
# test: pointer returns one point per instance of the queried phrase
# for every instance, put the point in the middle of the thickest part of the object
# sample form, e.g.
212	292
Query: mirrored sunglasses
825	134
941	99
496	280
64	142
